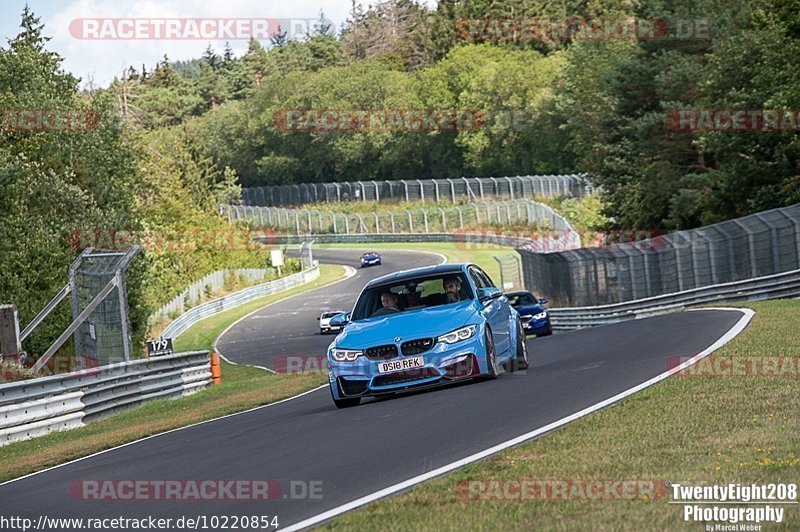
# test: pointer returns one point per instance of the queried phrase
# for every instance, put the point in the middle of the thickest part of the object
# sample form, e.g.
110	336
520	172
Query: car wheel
521	362
345	403
491	356
548	331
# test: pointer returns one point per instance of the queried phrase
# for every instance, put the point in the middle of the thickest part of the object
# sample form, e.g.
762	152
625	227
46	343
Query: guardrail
439	190
35	407
205	310
781	285
213	281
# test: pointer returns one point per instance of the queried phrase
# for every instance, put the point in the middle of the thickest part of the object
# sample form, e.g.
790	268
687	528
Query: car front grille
415	347
381	352
404	376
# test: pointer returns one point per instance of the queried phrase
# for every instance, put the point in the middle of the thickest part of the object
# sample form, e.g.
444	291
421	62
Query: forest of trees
177	138
596	106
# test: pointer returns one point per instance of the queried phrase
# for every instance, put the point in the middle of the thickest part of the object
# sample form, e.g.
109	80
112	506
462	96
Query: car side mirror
340	320
489	292
543	301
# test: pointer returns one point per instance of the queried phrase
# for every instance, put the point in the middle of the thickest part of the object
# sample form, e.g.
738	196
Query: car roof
417	272
518	293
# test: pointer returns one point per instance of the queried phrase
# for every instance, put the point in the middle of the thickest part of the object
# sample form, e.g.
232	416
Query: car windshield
518	300
412	294
326	315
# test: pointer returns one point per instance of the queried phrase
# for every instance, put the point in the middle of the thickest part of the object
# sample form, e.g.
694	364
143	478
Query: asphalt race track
358	451
290	327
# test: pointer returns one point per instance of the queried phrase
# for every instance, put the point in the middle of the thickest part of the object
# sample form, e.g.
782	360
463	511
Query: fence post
10	344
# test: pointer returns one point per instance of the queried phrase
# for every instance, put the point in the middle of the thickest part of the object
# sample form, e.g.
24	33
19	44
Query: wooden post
10	345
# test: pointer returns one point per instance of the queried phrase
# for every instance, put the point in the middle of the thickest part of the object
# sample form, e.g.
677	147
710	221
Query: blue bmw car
370	259
535	318
424	327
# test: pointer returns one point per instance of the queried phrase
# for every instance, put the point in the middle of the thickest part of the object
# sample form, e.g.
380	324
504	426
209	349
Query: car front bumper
443	363
532	326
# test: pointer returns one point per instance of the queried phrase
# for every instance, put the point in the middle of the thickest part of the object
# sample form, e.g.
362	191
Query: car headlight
458	335
345	355
540	316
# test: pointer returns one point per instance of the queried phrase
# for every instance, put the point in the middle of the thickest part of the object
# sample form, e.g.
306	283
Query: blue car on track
424	327
535	318
370	259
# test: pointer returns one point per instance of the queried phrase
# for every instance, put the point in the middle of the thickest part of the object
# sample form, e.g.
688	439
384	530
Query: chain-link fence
438	190
510	272
424	220
754	246
104	337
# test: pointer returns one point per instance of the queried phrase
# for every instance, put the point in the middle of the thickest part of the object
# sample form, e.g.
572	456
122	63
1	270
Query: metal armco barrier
782	285
438	190
200	312
35	407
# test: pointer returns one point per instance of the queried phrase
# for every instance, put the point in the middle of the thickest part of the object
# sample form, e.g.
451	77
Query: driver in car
390	303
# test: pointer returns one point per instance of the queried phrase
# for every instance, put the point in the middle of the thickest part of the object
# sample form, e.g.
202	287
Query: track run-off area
342	459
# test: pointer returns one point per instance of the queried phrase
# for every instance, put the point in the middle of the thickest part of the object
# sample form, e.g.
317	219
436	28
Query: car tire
348	402
491	357
521	361
547	332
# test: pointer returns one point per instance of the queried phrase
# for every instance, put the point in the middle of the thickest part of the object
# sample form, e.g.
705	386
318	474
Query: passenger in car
452	289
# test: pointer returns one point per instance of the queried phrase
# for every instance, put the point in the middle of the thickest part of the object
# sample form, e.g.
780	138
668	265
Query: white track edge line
747	315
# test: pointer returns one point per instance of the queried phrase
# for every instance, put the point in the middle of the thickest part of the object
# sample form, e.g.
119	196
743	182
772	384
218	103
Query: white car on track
325	321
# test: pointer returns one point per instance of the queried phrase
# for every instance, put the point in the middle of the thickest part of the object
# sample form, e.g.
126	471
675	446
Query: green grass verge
242	387
700	429
454	253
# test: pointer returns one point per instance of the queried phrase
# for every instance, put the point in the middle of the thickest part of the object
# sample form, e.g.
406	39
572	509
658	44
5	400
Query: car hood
525	310
411	325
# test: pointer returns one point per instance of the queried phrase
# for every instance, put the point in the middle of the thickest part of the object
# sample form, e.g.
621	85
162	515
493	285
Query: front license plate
400	365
